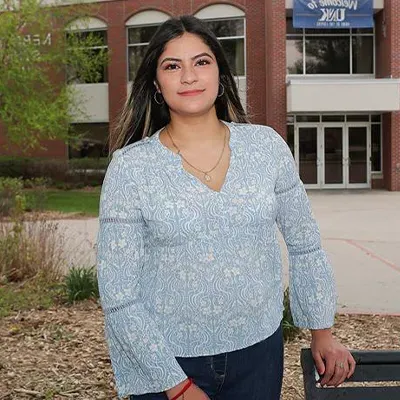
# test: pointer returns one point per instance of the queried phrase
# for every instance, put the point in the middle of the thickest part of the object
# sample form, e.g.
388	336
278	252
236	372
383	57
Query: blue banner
334	14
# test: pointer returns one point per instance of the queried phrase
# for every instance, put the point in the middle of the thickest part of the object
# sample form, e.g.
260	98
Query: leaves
81	283
35	49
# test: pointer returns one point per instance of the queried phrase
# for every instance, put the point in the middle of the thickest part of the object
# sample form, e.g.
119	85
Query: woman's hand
332	359
193	393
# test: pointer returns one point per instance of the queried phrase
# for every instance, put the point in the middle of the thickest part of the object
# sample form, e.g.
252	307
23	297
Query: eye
171	67
203	61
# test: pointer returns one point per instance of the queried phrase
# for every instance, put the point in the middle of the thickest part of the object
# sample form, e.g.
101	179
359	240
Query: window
92	142
138	39
230	33
94	46
329	51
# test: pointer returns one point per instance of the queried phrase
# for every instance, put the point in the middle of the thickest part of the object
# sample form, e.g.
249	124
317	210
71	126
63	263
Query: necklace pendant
207	177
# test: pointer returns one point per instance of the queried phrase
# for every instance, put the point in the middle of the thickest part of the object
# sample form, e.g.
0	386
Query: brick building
339	111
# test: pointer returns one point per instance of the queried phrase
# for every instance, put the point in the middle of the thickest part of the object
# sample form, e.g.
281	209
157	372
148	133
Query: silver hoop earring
223	90
155	99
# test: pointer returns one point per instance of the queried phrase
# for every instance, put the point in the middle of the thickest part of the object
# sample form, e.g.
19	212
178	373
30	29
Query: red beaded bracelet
186	387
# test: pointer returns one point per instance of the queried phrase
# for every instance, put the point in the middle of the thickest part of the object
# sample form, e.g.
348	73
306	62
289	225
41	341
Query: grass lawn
74	201
16	297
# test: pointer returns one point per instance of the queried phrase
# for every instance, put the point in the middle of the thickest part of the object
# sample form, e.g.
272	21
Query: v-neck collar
177	160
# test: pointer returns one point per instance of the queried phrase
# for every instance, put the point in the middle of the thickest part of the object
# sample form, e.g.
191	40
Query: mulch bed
60	353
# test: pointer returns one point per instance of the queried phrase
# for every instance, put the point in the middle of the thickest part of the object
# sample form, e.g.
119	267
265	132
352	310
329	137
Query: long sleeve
141	359
311	279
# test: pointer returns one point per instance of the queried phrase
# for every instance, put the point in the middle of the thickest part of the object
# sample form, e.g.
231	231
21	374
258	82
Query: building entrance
334	155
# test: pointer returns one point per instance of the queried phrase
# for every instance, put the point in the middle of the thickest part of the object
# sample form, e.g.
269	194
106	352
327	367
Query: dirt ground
60	353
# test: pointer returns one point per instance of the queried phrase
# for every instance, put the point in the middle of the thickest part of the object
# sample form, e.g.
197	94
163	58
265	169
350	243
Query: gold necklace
206	174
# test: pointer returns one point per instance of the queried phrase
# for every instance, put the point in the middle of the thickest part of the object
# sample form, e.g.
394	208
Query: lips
191	92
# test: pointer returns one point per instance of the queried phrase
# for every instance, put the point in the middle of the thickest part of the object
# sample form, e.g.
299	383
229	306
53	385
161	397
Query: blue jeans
252	373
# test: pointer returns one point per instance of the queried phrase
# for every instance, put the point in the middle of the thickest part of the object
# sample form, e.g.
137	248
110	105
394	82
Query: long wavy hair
141	115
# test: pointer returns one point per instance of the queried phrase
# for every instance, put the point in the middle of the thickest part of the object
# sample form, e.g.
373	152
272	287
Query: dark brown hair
141	115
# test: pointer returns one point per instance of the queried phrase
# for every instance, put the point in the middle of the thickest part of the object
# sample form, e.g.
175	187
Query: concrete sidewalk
360	232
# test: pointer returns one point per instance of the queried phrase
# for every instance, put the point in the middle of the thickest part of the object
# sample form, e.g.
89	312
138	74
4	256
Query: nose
189	75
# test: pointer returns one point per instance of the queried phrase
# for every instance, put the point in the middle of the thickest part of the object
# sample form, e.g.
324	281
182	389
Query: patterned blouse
187	271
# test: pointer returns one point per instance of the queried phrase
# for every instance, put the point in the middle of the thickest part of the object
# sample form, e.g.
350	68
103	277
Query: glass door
358	156
308	155
333	156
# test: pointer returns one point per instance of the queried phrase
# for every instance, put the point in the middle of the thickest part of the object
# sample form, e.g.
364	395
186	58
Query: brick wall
275	16
388	65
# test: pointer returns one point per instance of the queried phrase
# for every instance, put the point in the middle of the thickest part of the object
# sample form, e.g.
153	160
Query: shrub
10	194
88	163
36	196
74	173
28	168
290	331
81	284
14	167
81	178
31	249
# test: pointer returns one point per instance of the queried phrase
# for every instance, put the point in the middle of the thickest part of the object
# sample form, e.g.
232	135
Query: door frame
297	151
320	126
324	125
368	161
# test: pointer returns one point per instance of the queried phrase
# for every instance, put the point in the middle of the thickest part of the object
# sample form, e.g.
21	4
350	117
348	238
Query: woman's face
188	76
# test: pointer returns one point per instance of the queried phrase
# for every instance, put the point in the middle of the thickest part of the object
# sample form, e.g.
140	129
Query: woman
188	259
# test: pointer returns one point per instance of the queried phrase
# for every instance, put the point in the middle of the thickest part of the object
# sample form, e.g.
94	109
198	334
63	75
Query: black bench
372	366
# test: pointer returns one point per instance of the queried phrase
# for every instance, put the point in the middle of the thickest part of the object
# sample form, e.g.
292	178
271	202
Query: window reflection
92	142
294	55
327	55
363	50
329	51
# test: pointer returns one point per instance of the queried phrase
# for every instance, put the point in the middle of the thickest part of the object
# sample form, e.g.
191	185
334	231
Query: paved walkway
360	232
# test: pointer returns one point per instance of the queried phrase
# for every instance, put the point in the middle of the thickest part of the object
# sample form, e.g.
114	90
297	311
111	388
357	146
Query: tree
39	62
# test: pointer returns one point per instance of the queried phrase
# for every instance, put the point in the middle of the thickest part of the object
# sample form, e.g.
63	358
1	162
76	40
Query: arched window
91	126
140	28
92	32
228	24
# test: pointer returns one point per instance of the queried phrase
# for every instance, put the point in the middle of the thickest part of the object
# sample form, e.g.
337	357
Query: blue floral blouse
187	271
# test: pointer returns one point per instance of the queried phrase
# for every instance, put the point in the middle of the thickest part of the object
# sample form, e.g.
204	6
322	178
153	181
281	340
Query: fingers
352	365
329	371
342	371
337	374
319	363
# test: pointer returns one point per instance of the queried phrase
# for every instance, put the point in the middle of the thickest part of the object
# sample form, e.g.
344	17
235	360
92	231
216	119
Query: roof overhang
343	95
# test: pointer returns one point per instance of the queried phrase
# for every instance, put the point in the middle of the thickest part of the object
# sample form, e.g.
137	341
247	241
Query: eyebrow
178	59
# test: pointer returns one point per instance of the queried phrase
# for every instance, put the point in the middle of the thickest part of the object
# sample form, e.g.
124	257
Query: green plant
58	173
81	283
11	195
32	293
34	106
88	163
31	248
290	330
36	195
37	182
